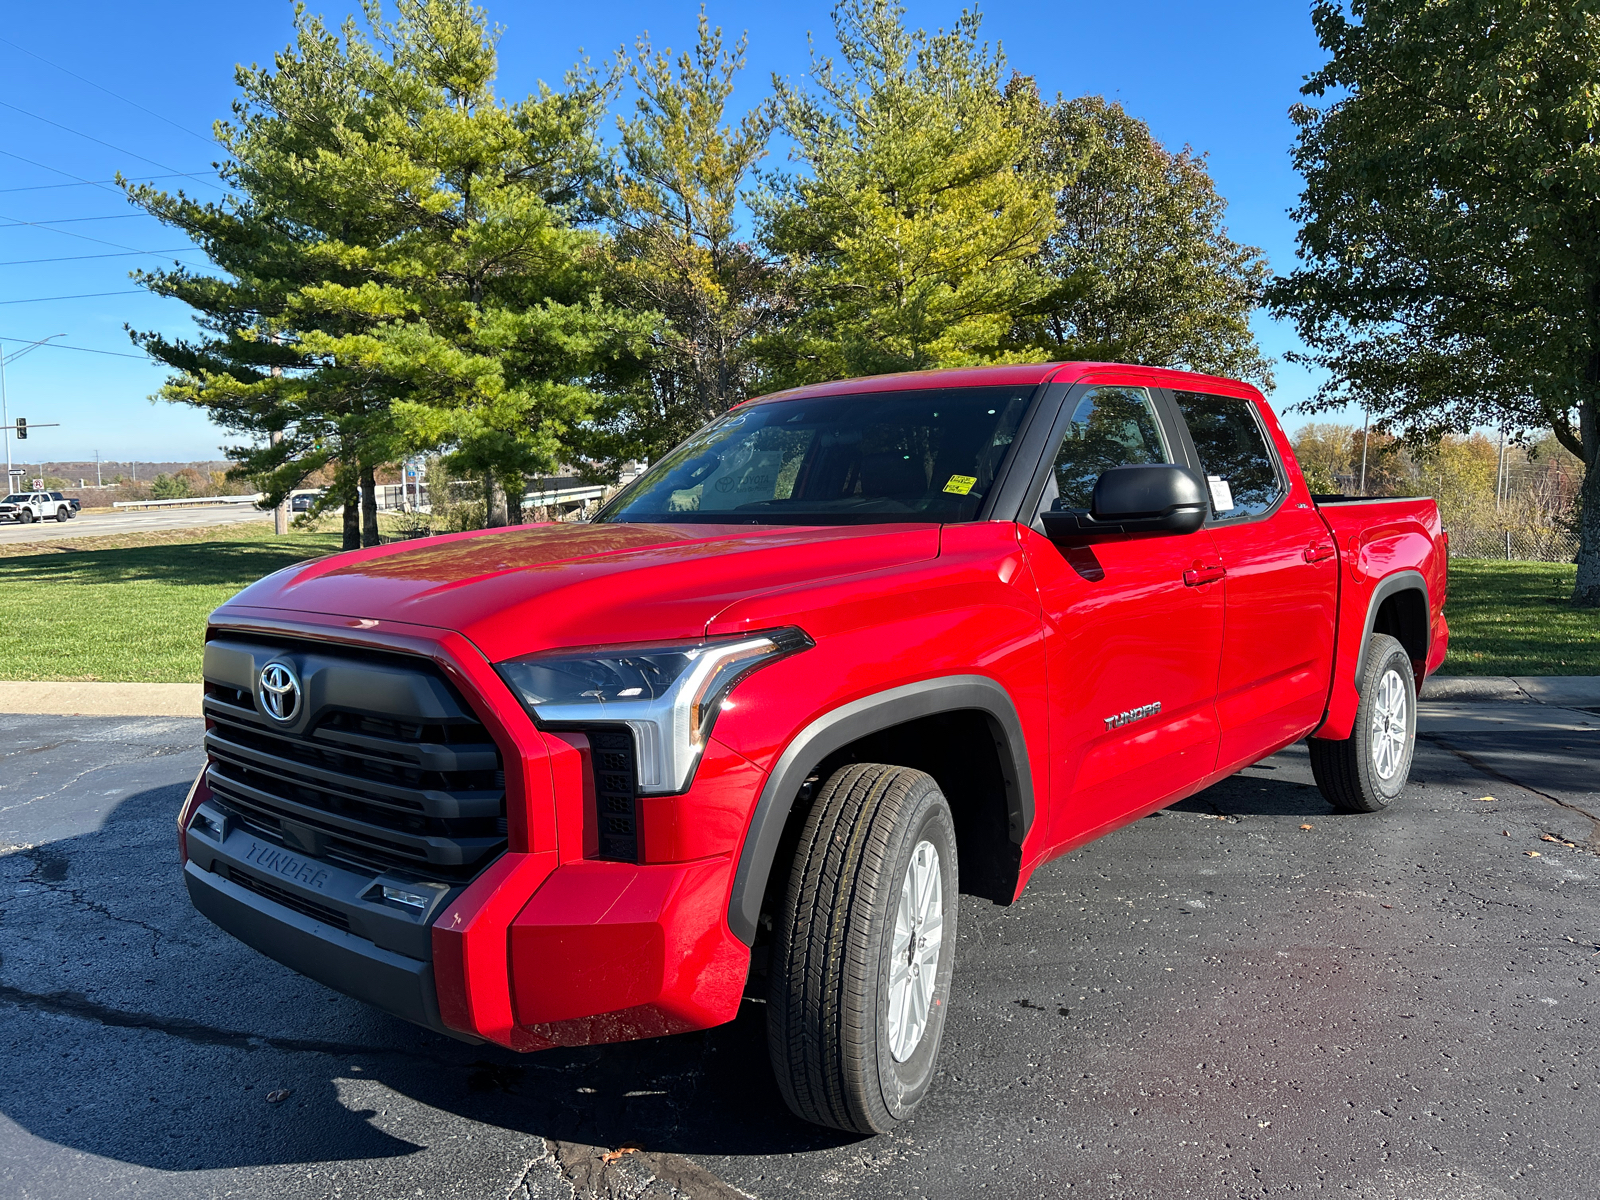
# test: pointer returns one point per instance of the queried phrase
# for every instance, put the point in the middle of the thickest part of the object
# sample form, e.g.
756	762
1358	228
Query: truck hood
516	591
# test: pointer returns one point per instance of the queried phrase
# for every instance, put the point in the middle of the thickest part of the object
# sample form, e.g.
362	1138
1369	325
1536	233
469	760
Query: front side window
927	455
1239	468
1109	427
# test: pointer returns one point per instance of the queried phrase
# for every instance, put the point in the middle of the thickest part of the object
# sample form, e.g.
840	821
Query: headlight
668	695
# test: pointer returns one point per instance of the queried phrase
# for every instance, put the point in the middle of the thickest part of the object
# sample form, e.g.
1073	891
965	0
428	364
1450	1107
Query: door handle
1319	552
1199	573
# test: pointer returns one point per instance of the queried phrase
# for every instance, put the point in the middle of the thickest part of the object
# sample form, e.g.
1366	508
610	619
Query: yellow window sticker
960	485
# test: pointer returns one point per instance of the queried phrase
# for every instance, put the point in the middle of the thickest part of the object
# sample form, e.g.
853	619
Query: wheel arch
912	713
1399	608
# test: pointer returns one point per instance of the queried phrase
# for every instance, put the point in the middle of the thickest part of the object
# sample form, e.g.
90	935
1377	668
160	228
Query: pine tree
405	263
678	249
915	227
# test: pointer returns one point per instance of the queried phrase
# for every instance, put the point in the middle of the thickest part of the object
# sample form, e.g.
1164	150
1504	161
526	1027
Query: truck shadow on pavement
136	1030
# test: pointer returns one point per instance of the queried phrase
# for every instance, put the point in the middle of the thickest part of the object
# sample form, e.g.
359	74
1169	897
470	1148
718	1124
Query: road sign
38	485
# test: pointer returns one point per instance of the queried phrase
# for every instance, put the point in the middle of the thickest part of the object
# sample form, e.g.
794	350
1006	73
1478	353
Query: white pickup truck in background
27	507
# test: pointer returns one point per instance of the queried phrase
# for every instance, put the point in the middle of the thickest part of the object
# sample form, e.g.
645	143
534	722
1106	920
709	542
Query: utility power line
81	236
23	262
78	296
107	184
106	144
108	91
82	349
73	220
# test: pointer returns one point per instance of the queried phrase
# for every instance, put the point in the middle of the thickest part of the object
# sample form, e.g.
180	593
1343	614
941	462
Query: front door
1281	588
1132	644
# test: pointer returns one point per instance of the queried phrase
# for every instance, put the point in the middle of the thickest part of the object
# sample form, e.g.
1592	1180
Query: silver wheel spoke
914	949
1390	721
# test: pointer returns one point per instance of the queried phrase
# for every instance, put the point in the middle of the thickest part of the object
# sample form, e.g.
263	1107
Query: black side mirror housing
1142	499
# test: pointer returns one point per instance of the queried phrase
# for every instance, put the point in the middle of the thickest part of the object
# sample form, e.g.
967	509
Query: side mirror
1148	498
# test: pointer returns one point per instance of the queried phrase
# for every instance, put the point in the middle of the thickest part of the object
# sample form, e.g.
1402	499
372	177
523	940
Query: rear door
1281	587
1132	647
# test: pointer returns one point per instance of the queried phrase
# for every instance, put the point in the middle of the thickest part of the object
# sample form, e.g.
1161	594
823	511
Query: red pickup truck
847	652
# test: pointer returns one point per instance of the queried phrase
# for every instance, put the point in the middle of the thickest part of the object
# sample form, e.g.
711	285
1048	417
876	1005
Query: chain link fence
1514	545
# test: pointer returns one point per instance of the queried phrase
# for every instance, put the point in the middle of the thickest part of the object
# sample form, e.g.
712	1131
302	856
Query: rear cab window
1242	474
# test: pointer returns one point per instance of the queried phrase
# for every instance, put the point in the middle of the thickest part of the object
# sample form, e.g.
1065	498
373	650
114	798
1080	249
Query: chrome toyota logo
280	691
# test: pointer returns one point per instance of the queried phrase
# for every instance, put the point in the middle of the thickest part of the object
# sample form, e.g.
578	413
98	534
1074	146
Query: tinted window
929	455
1233	452
1110	427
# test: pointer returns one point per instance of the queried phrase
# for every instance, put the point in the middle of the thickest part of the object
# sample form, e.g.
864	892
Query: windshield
928	455
16	498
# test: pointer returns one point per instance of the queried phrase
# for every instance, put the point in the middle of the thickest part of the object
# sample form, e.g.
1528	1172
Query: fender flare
848	723
1390	585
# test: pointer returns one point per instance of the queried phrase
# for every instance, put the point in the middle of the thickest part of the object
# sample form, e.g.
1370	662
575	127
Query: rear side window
1233	451
1109	427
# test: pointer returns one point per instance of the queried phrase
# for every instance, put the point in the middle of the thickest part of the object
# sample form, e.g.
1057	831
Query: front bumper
315	917
543	947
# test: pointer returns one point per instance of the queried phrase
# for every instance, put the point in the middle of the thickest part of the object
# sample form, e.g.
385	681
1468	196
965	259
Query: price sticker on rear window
1221	494
960	485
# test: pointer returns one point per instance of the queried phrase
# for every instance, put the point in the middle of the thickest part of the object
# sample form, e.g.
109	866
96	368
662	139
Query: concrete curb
101	699
1563	691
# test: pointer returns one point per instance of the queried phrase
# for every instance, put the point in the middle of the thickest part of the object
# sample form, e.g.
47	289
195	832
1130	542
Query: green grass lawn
131	613
134	609
1514	618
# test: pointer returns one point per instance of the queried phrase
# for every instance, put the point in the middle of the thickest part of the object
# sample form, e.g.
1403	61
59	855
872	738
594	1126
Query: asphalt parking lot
99	524
1214	1002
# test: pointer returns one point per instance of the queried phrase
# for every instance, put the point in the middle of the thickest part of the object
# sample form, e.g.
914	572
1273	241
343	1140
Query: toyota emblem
280	691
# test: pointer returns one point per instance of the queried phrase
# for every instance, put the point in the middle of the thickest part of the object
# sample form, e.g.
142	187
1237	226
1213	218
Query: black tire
26	516
1366	770
829	1030
61	516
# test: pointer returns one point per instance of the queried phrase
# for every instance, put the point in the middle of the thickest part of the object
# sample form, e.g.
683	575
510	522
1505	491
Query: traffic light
22	429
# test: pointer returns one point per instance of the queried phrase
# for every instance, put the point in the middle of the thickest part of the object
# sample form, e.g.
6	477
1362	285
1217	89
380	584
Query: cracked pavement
1212	1002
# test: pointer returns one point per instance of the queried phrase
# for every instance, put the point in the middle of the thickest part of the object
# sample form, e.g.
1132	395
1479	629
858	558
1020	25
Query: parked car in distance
72	501
848	651
302	501
27	507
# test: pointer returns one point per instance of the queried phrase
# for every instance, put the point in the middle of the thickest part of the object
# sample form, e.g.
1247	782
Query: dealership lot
1214	1002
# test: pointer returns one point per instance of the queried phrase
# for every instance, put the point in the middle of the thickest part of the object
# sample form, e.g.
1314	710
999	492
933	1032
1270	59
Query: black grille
616	815
376	786
309	908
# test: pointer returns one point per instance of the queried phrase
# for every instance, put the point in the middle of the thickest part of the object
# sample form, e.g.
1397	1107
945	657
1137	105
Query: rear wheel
1366	770
61	516
864	950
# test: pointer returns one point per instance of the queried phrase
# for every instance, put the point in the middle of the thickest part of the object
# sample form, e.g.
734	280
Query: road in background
131	521
1216	1001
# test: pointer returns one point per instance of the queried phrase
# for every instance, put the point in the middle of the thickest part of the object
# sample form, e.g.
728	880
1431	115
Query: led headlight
667	694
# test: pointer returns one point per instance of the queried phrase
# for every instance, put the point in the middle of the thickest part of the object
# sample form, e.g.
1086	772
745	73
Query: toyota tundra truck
849	651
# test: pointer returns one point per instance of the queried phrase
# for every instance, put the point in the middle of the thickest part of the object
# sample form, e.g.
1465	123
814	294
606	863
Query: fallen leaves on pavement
611	1156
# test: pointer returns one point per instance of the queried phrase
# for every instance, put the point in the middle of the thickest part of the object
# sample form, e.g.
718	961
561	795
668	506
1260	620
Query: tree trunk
352	510
514	503
1586	591
494	501
369	506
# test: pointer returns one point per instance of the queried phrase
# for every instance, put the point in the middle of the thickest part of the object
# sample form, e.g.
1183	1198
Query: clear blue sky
1218	77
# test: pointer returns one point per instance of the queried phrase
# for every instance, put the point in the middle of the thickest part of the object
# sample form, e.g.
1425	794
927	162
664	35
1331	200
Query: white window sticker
1221	493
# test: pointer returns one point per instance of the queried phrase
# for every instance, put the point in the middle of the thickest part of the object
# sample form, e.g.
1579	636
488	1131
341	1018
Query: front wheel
864	950
25	516
1366	770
